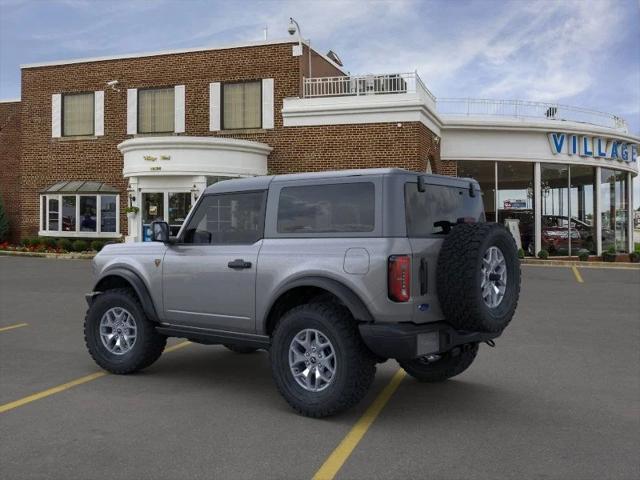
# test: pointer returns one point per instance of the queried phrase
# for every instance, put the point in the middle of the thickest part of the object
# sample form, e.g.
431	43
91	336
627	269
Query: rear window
433	211
335	208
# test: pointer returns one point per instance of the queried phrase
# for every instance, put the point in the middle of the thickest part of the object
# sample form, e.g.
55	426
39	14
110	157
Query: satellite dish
334	57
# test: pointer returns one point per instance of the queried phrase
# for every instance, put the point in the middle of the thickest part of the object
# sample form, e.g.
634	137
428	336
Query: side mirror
160	232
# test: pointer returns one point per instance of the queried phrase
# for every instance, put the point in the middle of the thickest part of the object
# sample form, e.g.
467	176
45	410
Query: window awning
80	186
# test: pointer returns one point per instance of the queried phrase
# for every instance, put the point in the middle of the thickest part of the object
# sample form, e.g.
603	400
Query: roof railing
526	109
370	84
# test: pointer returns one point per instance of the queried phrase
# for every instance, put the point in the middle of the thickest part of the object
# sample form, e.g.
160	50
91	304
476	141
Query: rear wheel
318	360
442	367
118	334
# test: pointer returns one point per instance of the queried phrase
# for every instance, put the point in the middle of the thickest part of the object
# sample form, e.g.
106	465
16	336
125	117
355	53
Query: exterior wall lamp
132	197
293	28
195	192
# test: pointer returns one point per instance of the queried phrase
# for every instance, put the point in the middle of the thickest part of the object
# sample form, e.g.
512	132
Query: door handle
239	264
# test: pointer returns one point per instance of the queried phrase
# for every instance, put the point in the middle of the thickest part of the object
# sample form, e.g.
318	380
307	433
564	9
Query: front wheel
118	334
448	365
318	360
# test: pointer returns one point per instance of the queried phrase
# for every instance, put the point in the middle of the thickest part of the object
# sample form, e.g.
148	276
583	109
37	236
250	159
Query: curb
60	256
574	263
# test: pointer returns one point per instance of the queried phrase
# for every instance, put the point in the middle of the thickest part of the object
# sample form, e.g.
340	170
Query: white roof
172	52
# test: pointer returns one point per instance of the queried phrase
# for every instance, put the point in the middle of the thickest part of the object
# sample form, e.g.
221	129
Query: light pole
293	28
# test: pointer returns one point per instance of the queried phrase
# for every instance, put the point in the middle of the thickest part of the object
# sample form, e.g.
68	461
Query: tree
4	223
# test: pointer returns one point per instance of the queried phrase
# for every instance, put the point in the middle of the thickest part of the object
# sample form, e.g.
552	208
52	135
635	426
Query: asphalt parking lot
558	398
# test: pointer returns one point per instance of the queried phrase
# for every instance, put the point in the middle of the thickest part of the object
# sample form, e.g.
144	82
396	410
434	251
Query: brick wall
10	163
46	160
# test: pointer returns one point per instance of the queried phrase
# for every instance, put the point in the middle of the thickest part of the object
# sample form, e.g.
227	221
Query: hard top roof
263	182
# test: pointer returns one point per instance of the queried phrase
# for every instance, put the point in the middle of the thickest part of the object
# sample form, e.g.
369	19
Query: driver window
226	219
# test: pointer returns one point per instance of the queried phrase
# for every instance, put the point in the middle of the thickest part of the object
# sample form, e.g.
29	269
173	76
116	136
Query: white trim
56	115
77	233
392	108
10	100
598	210
179	109
157	53
537	207
62	234
214	107
267	103
630	212
98	125
132	111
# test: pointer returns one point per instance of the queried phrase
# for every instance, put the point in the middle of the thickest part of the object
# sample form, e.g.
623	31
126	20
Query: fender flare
351	300
138	285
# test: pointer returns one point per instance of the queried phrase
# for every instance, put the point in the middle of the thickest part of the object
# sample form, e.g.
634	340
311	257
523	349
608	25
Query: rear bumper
408	340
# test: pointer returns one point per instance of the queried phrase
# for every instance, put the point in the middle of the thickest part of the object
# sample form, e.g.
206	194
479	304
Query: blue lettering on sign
601	150
634	153
557	142
614	150
624	152
586	150
573	148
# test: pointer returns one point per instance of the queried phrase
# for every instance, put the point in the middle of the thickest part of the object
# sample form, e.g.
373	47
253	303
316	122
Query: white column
214	106
98	120
630	212
133	222
537	213
132	111
598	211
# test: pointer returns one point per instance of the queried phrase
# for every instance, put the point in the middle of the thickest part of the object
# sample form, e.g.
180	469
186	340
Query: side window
336	208
227	219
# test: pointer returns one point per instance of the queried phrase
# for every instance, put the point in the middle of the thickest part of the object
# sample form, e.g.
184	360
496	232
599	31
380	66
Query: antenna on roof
335	58
266	32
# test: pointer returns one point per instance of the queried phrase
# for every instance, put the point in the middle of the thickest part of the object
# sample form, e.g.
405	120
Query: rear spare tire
478	276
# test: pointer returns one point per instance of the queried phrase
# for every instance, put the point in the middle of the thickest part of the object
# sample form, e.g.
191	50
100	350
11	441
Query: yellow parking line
65	386
334	463
576	273
11	327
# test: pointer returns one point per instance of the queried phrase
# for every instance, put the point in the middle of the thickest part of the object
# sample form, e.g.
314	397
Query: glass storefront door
152	210
581	205
484	173
516	203
155	204
556	228
614	210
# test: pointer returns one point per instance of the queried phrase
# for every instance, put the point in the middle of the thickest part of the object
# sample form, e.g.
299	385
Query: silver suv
330	272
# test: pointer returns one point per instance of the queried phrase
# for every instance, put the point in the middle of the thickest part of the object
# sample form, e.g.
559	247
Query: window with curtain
156	110
241	105
77	114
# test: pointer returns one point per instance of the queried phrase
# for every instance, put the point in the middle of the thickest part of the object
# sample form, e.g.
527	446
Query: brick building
91	137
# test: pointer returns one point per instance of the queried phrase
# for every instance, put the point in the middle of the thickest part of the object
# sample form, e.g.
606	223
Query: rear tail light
399	278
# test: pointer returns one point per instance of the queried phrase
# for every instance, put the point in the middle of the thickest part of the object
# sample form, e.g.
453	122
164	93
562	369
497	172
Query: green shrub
4	223
583	255
48	242
634	257
610	254
97	245
520	253
543	254
65	244
80	246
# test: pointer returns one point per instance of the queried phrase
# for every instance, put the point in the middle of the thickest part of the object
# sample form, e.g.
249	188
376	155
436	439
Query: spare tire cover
478	277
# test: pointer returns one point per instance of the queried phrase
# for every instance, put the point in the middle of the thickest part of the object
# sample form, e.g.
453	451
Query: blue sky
582	52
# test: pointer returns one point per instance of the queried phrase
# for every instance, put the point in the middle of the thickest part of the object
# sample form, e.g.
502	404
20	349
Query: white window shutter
267	103
56	115
98	125
178	123
132	111
214	106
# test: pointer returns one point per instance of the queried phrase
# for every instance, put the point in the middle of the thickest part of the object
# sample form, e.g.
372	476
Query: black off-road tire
149	343
355	367
459	277
240	349
449	365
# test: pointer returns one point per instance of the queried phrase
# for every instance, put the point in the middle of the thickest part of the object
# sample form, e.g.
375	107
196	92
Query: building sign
589	146
514	204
